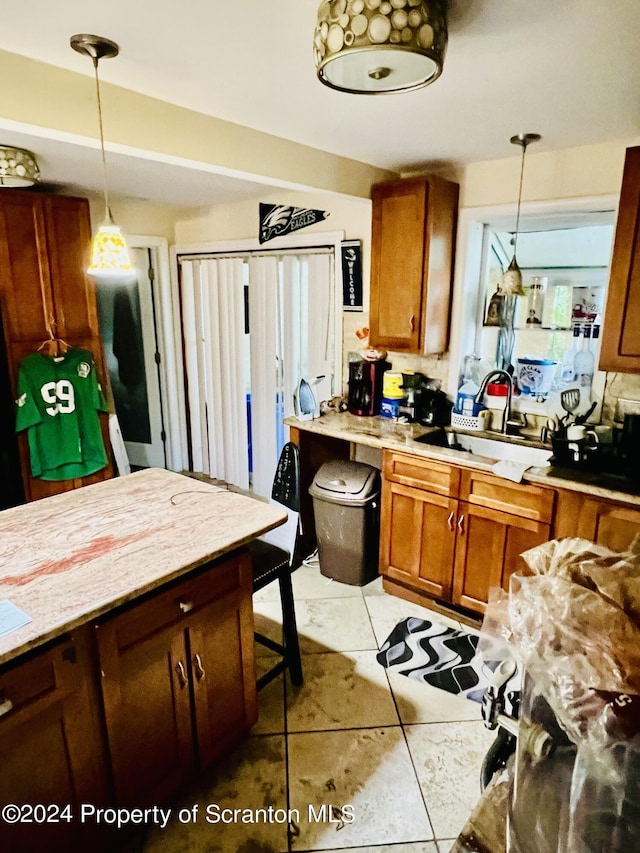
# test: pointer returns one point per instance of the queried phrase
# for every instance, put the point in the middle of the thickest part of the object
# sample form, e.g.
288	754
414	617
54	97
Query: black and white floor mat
437	655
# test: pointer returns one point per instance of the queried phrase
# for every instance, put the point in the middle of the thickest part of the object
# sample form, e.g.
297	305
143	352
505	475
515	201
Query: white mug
578	432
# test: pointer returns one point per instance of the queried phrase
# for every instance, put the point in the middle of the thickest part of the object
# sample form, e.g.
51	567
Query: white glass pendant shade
110	262
18	167
380	46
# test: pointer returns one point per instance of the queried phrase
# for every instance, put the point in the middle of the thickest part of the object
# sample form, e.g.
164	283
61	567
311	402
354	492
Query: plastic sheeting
574	627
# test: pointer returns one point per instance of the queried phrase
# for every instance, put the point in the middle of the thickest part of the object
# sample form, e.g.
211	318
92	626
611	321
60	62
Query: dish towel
440	656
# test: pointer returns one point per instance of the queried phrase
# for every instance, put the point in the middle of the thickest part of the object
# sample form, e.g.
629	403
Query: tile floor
359	758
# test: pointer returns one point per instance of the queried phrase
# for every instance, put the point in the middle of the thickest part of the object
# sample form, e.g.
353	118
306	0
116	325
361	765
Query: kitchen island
136	668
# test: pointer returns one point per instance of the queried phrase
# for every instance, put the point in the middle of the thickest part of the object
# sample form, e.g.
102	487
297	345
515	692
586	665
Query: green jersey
58	403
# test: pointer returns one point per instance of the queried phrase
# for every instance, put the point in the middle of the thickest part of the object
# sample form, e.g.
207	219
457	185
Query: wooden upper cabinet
25	276
620	348
412	251
69	242
44	252
45	242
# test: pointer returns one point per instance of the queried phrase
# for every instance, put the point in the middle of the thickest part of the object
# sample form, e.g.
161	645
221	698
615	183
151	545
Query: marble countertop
70	558
386	434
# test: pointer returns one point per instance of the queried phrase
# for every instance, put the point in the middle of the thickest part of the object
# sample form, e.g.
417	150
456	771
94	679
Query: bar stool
275	556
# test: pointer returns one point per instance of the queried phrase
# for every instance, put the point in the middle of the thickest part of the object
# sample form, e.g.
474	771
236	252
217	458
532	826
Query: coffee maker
365	386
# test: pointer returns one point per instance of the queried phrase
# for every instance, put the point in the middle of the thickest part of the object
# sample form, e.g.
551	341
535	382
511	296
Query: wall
45	98
135	216
587	171
352	216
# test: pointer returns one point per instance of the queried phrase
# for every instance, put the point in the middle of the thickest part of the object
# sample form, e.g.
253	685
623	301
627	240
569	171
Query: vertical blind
291	335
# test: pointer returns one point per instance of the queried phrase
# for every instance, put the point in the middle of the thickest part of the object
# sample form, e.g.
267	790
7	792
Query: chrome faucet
506	415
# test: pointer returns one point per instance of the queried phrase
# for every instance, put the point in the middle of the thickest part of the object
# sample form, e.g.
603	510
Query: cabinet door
488	548
146	693
25	276
412	251
51	749
69	242
613	525
397	263
620	339
223	671
418	538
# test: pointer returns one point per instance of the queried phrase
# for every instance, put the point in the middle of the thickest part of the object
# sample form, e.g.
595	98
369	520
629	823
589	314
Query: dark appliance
11	490
433	407
365	386
629	446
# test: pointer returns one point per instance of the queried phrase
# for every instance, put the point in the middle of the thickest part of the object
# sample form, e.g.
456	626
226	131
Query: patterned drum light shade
18	167
380	46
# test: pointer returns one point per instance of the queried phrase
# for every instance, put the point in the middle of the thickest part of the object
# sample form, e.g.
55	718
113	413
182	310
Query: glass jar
535	302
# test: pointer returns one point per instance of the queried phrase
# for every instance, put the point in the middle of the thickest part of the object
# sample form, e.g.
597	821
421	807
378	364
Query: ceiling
569	71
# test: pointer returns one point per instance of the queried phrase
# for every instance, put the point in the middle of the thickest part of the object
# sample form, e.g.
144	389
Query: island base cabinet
178	681
52	754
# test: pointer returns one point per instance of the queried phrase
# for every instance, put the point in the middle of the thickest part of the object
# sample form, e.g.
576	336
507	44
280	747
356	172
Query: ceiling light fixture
511	284
18	167
371	47
110	261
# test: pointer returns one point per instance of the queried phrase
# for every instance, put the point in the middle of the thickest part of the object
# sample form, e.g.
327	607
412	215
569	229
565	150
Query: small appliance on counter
433	407
365	386
306	405
629	446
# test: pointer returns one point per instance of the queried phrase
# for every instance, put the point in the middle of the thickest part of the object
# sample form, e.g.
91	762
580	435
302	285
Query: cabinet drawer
187	596
437	477
33	684
525	501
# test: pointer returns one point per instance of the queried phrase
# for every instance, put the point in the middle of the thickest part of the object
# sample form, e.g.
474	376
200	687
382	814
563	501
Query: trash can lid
345	481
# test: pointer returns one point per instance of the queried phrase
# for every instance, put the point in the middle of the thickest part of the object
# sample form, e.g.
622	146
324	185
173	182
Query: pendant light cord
515	239
104	159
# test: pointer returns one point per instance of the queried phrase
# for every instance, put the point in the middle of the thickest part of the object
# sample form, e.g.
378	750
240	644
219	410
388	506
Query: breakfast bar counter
71	558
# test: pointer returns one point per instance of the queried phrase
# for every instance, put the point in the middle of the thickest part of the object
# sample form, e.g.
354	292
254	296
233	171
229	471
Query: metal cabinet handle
186	606
461	525
412	322
182	675
197	665
5	706
450	520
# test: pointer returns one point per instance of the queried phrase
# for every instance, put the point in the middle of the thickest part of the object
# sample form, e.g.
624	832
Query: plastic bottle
584	362
567	369
466	397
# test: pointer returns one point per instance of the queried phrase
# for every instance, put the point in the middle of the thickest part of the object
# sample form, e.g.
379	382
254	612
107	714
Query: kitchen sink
488	445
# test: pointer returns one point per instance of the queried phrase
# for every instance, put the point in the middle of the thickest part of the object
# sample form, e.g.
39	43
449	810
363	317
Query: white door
128	327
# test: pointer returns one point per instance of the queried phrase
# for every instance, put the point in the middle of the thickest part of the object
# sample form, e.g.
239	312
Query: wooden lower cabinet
488	548
178	681
447	534
608	523
52	751
417	538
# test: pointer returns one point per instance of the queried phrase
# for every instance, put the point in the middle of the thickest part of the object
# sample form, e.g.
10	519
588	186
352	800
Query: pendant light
511	284
18	167
110	261
371	47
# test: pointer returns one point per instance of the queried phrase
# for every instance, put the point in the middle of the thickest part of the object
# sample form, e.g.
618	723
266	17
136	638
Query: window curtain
266	368
290	313
213	331
291	306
